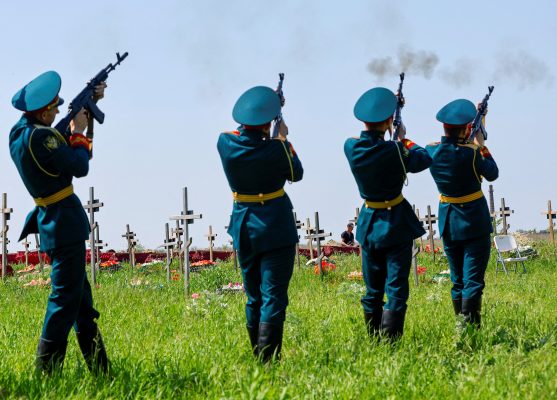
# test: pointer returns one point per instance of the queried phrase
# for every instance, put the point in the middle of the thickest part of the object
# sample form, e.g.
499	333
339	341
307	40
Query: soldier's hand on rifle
402	100
99	91
479	139
283	131
79	123
401	132
478	108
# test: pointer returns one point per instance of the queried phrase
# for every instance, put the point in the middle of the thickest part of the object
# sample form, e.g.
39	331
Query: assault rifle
477	123
397	122
85	99
278	118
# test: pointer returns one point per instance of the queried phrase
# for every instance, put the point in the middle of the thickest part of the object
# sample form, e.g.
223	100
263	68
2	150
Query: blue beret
38	93
457	112
256	106
375	105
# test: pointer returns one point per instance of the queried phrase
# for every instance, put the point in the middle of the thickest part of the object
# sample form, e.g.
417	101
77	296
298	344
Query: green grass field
162	346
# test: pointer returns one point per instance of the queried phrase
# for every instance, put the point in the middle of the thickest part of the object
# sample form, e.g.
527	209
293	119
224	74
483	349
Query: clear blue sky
189	61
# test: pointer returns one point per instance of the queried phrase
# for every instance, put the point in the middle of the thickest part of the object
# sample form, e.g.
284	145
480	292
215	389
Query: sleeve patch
51	143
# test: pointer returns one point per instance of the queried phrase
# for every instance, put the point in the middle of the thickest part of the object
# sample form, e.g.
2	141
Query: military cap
39	93
256	106
457	112
375	105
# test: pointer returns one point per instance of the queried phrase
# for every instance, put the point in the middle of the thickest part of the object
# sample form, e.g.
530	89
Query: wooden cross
131	239
99	244
177	234
415	250
168	244
234	254
309	231
211	237
186	217
92	206
39	255
355	220
417	212
430	219
550	215
318	236
26	245
6	212
299	225
492	210
504	212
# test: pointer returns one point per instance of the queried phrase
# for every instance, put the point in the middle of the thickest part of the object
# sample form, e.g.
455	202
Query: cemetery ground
163	346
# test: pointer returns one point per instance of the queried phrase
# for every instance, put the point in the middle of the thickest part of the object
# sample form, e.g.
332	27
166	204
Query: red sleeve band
408	143
292	149
78	140
485	152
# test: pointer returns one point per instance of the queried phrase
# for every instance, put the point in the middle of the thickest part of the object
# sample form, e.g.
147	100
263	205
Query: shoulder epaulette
54	131
237	133
469	145
434	143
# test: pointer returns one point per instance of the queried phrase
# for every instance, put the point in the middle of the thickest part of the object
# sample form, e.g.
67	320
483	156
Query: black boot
93	350
471	308
50	356
269	343
373	323
253	332
457	306
460	324
392	324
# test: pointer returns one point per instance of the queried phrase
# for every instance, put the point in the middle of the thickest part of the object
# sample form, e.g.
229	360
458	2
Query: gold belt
54	198
462	199
385	204
258	198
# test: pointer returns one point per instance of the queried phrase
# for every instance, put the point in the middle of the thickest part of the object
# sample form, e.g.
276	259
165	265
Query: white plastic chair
507	244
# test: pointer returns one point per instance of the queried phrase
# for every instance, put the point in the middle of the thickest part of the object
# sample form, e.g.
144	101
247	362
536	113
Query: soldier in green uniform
387	224
464	219
262	223
47	161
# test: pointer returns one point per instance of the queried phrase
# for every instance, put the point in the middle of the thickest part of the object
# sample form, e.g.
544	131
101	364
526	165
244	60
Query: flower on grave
235	285
195	296
38	282
202	263
356	275
436	250
421	270
325	266
108	264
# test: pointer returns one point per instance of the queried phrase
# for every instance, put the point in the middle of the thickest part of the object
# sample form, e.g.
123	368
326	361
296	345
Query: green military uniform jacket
253	166
458	169
47	164
379	169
